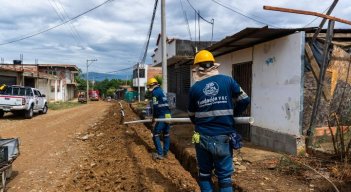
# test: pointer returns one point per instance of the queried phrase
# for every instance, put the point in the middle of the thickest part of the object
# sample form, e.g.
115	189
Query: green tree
105	85
81	83
111	91
159	79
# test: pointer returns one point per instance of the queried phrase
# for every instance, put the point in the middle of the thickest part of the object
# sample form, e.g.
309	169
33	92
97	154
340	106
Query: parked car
108	98
94	95
82	98
20	99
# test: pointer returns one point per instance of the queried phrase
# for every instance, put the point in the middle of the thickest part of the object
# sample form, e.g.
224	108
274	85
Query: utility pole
93	82
87	76
138	65
164	48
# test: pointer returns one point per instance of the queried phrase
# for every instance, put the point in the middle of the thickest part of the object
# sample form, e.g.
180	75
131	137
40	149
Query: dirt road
84	149
48	145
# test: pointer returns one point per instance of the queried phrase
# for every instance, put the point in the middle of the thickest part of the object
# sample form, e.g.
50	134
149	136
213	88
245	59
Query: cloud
115	33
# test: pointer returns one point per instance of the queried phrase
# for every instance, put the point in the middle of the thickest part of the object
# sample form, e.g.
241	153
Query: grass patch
62	105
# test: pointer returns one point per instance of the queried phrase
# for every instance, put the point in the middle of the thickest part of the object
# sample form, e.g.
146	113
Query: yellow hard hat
151	81
203	56
2	87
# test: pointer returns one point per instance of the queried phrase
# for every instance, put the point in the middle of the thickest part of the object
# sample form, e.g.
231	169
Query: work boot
156	156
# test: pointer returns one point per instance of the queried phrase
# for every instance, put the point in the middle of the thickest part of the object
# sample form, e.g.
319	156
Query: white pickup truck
22	100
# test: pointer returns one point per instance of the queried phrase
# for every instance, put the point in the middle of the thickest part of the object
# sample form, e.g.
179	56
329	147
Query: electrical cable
186	19
61	17
197	19
143	58
198	12
116	71
316	18
67	18
212	31
51	28
242	14
198	22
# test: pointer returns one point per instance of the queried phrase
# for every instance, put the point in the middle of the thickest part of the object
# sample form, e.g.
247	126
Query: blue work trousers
215	153
161	128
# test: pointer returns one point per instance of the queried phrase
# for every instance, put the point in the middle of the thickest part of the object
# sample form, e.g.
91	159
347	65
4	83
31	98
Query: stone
241	167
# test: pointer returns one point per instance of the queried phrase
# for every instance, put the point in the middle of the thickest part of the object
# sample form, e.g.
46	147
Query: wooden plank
336	35
316	70
306	13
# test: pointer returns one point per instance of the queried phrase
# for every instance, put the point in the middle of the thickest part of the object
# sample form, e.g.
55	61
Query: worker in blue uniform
160	109
214	101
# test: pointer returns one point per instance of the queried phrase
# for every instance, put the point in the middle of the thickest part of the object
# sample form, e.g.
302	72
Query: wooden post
316	70
307	13
312	127
331	8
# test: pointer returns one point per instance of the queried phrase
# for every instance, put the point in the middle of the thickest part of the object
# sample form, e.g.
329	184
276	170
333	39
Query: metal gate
242	73
179	83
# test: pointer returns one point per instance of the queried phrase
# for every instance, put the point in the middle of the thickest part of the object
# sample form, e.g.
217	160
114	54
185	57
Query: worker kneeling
211	109
160	110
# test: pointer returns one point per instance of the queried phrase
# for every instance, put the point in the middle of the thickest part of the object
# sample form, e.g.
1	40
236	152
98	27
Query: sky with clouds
115	33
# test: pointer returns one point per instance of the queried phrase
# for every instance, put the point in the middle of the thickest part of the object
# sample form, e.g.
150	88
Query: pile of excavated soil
118	158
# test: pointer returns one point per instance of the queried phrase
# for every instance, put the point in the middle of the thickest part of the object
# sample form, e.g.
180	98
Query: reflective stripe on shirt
243	95
214	113
163	105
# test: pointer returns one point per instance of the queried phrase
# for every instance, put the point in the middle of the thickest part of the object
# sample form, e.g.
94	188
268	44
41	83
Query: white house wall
60	94
277	84
277	90
68	76
171	51
226	61
141	80
44	87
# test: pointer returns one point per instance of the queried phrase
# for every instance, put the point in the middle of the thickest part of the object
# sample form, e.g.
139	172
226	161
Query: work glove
195	138
167	116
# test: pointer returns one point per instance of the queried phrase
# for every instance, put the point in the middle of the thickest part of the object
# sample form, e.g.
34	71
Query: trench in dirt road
111	157
120	160
86	149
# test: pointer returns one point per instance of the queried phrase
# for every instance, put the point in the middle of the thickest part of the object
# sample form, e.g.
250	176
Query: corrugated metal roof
247	38
252	36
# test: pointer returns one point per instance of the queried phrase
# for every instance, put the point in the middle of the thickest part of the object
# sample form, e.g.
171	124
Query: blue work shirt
211	107
159	103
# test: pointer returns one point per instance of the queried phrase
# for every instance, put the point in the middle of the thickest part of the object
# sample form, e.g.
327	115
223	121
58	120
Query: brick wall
154	71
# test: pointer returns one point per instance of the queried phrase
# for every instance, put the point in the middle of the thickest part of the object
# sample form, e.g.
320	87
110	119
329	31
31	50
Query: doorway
242	73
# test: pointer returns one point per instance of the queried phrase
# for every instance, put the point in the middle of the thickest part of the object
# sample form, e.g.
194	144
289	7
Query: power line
51	28
143	58
198	13
186	19
242	14
62	18
67	17
116	71
316	17
121	70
